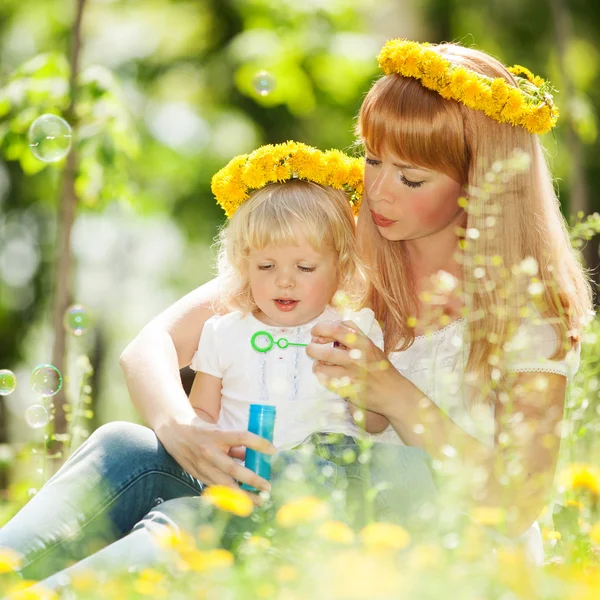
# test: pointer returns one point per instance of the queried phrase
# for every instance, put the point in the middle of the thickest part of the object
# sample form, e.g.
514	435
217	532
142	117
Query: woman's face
408	202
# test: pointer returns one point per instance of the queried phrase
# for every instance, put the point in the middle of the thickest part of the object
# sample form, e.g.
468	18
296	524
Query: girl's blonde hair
274	215
399	116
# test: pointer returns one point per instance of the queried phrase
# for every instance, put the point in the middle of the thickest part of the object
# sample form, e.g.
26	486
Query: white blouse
436	362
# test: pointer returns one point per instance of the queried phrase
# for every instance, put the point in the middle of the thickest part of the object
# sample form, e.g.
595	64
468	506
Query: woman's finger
230	467
329	354
248	440
336	331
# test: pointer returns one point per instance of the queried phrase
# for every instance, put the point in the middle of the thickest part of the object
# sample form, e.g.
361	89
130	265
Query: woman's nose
380	188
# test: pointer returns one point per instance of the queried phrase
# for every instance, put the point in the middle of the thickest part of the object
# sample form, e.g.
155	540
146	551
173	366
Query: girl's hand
207	452
356	368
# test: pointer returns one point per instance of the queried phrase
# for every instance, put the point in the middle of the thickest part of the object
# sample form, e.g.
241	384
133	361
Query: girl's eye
372	161
307	269
409	183
264	267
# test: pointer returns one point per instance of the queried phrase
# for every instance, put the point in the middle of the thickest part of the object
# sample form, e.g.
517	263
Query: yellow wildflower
336	531
9	560
148	584
579	477
203	561
384	536
550	534
229	499
595	533
36	592
302	510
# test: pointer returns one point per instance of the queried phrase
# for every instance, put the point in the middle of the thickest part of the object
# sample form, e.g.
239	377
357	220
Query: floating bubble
8	382
77	320
36	416
46	380
264	83
50	138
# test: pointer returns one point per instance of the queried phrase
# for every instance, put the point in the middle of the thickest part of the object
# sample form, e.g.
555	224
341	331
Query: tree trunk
66	217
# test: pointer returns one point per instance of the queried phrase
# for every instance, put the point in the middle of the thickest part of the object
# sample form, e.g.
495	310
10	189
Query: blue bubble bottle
261	422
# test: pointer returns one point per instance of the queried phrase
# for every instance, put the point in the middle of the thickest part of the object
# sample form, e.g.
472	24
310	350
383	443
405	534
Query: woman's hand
207	452
356	368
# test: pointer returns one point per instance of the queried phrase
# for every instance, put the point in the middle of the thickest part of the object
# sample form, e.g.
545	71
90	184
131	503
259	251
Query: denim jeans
103	507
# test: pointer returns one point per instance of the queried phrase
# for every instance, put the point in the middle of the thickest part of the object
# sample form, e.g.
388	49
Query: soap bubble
264	83
36	416
8	382
77	320
50	138
46	380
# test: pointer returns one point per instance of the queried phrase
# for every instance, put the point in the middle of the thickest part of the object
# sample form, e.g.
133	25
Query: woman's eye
372	161
409	183
306	269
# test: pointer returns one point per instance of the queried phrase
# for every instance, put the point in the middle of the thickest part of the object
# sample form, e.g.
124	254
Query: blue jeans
103	507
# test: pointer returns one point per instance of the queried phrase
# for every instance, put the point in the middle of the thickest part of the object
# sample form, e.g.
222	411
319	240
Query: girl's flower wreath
234	183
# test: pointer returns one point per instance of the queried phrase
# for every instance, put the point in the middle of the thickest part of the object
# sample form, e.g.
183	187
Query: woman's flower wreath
530	105
234	183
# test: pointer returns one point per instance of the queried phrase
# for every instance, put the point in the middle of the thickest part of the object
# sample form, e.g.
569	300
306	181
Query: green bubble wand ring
263	341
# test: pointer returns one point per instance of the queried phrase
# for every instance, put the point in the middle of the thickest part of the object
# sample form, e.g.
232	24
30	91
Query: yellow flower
9	560
595	533
231	500
336	531
384	537
302	510
29	592
550	534
202	561
172	539
579	477
148	584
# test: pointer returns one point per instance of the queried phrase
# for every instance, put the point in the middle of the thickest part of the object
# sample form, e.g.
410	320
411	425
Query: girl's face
292	284
408	202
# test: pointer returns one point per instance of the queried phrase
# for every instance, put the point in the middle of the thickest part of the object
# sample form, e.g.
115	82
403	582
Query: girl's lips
285	305
380	220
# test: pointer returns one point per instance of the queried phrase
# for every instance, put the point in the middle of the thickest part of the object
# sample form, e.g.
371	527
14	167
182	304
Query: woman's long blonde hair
513	210
274	215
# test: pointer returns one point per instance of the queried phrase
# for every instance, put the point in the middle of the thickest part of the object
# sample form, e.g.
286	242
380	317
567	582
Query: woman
473	279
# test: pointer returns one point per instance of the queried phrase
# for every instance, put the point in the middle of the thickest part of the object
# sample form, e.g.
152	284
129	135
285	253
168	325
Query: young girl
287	249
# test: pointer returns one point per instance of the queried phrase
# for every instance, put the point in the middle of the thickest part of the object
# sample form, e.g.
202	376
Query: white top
435	363
282	377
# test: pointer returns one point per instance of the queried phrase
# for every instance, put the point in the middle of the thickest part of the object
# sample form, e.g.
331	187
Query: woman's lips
285	304
381	221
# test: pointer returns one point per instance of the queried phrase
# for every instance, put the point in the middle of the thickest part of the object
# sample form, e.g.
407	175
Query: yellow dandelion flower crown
246	173
530	105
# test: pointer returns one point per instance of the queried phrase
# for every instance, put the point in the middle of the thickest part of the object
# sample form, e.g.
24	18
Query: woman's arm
151	364
520	467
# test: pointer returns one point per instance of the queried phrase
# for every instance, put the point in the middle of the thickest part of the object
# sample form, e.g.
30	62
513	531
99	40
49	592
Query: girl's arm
151	364
205	396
